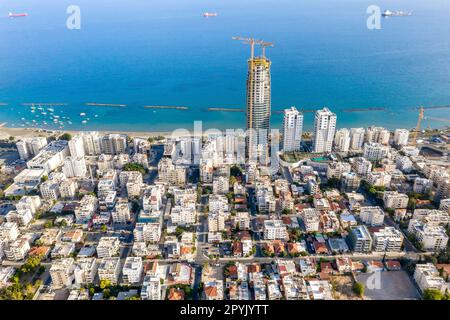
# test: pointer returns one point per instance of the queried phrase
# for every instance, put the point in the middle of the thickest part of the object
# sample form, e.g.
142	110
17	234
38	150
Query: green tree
133	166
358	288
432	294
65	136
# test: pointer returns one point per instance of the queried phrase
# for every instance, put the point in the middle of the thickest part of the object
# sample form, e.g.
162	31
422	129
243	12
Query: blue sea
164	52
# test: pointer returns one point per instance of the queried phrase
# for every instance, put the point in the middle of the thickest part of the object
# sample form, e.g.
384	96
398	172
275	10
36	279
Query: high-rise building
401	137
324	129
76	146
342	140
357	138
258	107
292	129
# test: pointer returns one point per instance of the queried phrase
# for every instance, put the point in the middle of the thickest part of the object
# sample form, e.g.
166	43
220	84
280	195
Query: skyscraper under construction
258	102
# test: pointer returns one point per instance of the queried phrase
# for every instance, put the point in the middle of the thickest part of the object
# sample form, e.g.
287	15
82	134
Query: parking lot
393	285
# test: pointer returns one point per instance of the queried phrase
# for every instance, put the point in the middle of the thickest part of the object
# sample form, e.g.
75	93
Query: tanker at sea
388	13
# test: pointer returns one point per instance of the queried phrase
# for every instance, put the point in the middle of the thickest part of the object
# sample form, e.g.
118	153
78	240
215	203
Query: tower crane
252	42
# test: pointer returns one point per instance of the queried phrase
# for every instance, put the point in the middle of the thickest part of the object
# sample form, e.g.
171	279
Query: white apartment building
374	151
427	276
274	230
50	157
373	216
311	219
92	142
50	190
22	218
218	202
151	288
342	140
422	185
9	231
387	239
444	205
395	200
147	232
86	208
114	143
350	181
324	129
221	185
242	219
75	167
108	247
183	215
216	221
337	169
378	135
61	272
31	203
30	147
357	138
362	166
105	186
152	199
76	146
292	129
109	270
171	174
379	179
401	137
85	271
132	270
121	213
17	250
404	164
431	237
68	189
435	217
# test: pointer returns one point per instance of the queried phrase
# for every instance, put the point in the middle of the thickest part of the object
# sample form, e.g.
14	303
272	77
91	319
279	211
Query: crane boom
252	42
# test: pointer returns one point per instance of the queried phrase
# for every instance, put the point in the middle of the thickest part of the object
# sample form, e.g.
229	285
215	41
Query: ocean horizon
165	53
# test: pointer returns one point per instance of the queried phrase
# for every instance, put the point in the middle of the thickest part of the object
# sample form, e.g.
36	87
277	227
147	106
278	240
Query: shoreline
6	132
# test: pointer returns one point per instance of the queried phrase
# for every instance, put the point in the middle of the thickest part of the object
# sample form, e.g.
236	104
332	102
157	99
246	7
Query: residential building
109	270
132	270
401	137
274	229
324	129
360	239
375	151
292	129
108	247
387	239
395	200
61	272
373	216
342	140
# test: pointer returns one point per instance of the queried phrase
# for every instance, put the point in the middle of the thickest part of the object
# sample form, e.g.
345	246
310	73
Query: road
156	153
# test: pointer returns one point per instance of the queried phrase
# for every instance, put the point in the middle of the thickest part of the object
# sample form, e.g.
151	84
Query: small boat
84	121
82	114
210	14
17	15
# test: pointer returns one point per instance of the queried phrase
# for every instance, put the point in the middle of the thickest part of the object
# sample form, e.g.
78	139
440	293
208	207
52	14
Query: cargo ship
17	15
210	14
388	13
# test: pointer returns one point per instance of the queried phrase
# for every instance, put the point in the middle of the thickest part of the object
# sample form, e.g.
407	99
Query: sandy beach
18	133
